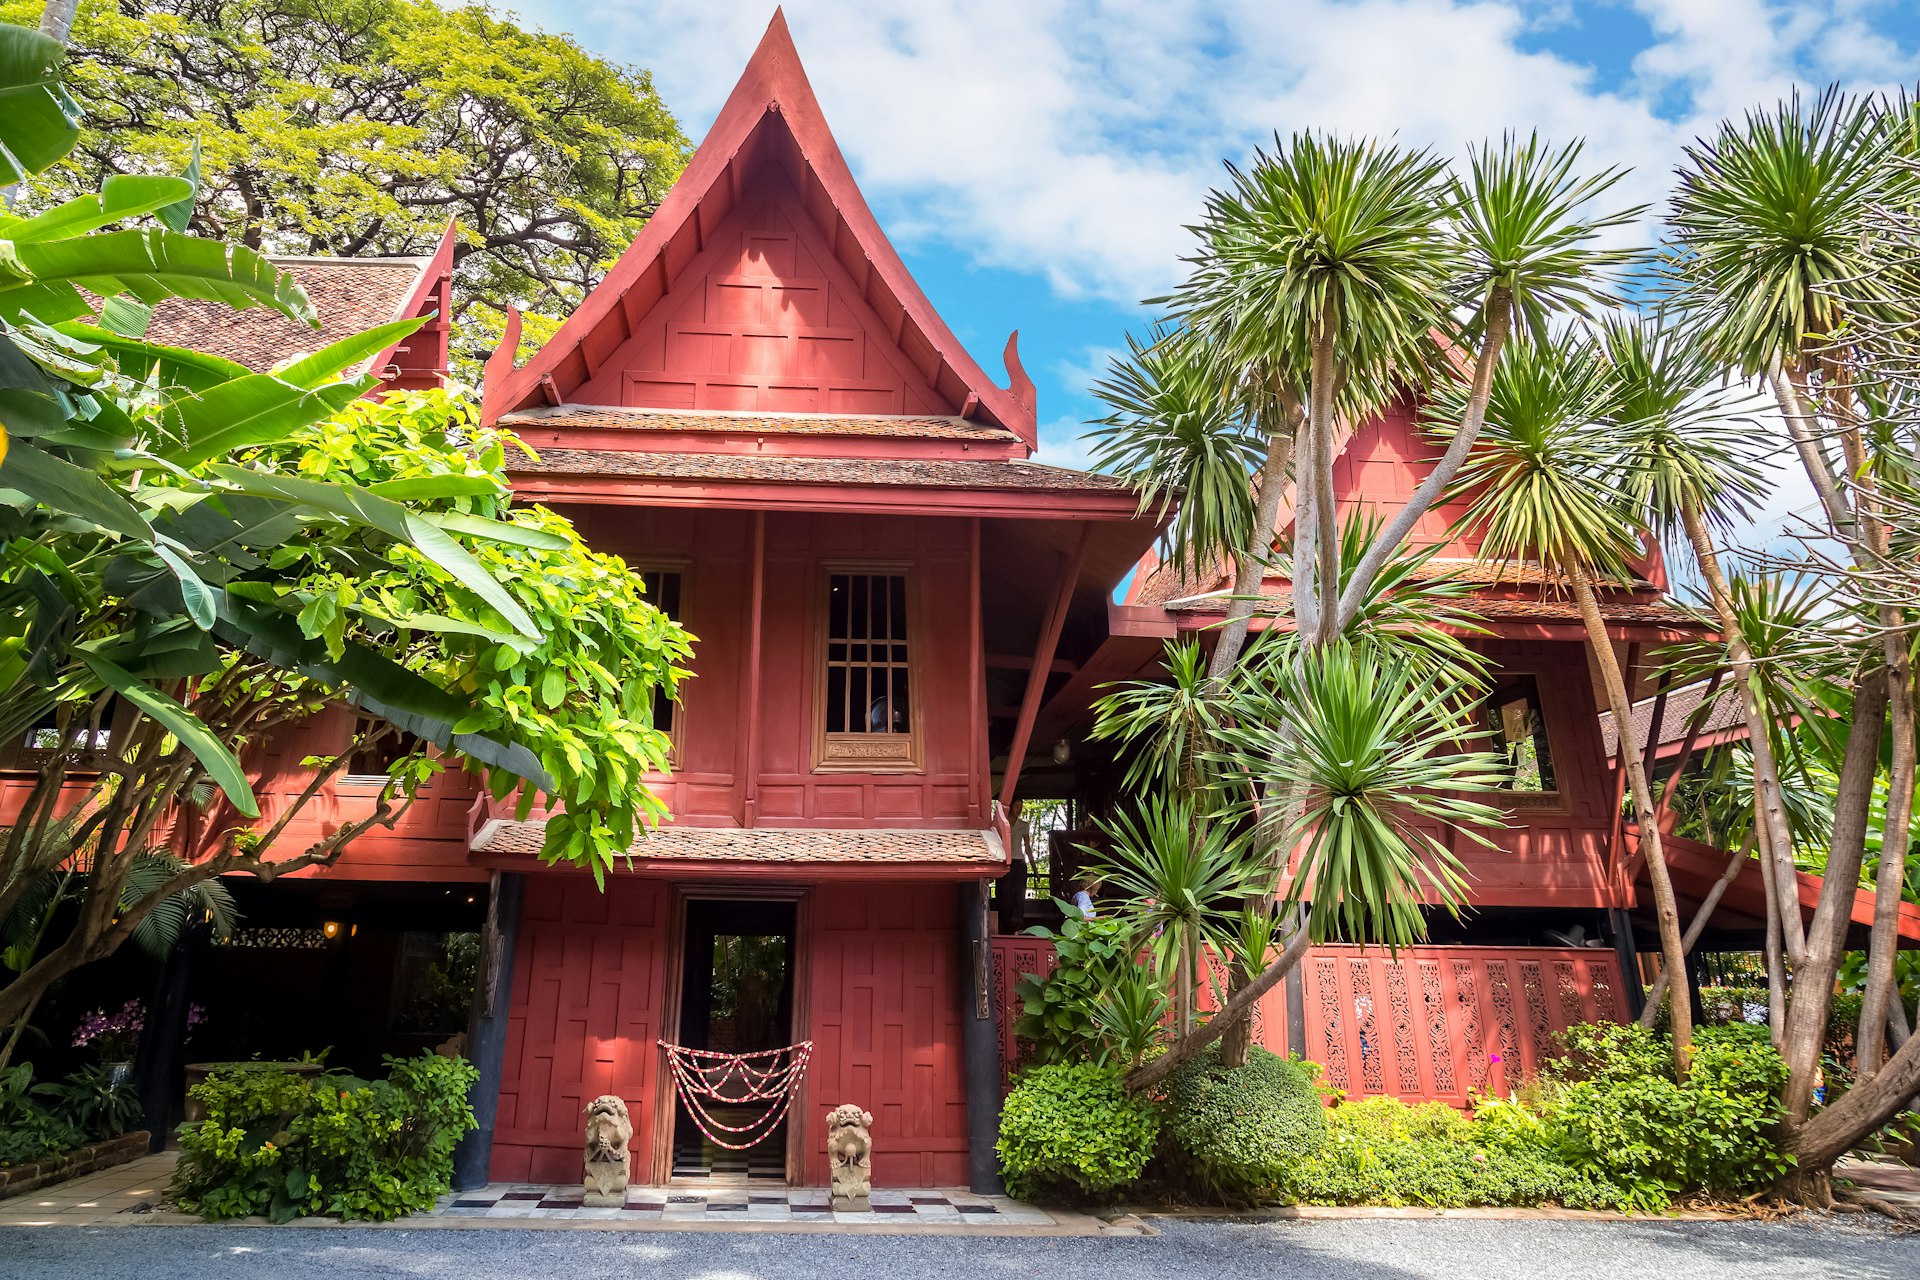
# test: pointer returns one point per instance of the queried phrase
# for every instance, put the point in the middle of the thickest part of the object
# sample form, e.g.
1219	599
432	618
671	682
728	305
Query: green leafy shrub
1383	1151
1625	1118
1074	1129
279	1144
46	1119
1062	1013
97	1105
1237	1131
30	1126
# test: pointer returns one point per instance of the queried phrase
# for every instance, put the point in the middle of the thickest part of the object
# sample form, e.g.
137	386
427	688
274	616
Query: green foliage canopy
360	128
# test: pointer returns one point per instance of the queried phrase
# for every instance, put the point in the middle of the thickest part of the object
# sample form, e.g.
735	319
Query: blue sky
1036	160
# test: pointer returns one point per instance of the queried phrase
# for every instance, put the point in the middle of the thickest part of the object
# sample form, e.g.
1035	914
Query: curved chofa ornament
850	1156
1019	385
609	1161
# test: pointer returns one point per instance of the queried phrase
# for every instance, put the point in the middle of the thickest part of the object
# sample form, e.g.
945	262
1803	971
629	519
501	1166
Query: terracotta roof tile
1168	583
775	844
1653	613
617	418
1683	705
349	294
985	473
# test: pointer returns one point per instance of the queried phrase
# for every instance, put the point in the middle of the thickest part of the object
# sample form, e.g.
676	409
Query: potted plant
114	1037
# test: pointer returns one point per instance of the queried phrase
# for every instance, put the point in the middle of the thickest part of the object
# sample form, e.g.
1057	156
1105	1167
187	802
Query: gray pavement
1849	1247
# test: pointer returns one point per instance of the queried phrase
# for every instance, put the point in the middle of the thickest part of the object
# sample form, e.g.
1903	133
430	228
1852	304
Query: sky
1037	162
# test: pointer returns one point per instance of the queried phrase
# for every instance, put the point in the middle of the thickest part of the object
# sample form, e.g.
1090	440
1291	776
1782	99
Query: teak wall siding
589	990
881	1000
713	552
885	1002
767	319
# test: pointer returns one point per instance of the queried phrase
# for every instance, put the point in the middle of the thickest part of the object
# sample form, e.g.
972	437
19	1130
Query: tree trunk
1237	1008
1250	569
1699	925
56	20
1326	518
1826	939
1882	993
1673	953
1766	772
1858	1112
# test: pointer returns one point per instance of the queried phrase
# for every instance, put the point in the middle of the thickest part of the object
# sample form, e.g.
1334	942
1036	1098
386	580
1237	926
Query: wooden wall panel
765	319
885	1015
589	982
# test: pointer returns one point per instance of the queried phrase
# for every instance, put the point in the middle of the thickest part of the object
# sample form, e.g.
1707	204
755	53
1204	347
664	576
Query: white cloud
1074	139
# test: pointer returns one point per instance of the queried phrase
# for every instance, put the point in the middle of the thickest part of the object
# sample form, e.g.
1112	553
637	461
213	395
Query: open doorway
736	997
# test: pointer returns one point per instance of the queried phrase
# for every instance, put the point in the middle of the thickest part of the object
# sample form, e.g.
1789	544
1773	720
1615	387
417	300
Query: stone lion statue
609	1163
849	1155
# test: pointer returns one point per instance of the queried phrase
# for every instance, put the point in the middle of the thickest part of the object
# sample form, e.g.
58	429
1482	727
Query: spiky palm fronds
1697	451
1326	230
1773	213
1178	435
1523	218
1378	759
1550	480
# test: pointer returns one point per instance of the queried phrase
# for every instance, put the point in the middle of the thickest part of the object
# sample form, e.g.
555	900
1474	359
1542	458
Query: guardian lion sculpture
609	1163
849	1156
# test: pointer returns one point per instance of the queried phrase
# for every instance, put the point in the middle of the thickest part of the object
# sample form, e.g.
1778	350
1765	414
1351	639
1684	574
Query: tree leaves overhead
361	130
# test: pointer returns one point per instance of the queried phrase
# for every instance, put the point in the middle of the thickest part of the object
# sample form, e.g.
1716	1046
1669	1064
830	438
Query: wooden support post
980	1040
1693	989
1042	664
1296	984
487	1027
750	736
157	1074
1620	925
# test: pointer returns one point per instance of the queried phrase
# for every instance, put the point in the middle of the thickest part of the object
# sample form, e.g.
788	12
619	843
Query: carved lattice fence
1432	1023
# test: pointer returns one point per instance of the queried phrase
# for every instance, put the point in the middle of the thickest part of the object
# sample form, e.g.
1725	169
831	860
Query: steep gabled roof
769	142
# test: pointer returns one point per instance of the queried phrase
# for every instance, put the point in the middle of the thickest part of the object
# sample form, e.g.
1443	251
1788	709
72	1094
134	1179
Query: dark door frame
666	1095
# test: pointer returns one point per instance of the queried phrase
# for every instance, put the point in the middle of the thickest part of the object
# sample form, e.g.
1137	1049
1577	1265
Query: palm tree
1329	256
1699	470
1549	487
1179	880
1377	755
1791	230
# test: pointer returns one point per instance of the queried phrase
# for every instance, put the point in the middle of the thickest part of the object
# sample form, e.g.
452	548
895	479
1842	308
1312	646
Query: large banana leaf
254	410
61	486
194	370
311	371
121	196
39	120
151	264
221	764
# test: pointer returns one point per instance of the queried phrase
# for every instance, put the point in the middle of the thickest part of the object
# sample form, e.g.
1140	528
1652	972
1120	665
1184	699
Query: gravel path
1344	1250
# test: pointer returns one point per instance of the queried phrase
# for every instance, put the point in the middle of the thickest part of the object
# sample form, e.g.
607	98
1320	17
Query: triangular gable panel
764	284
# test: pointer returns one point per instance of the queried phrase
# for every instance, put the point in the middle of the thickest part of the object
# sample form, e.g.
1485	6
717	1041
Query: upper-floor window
866	717
663	590
369	760
1519	733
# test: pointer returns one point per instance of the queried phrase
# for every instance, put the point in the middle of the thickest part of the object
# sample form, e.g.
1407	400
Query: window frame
856	752
1556	799
683	568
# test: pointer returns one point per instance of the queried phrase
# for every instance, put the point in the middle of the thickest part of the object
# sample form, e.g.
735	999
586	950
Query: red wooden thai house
901	625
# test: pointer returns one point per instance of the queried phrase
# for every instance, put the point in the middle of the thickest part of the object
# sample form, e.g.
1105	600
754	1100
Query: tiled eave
673	847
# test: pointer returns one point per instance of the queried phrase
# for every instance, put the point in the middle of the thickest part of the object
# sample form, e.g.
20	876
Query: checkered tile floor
899	1206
